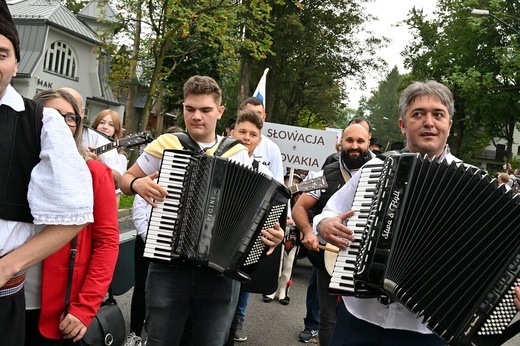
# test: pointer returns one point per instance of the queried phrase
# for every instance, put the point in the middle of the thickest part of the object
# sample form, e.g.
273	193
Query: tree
382	109
175	32
75	5
315	48
479	59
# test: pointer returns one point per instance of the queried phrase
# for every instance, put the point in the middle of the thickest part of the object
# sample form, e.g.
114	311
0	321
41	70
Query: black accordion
213	214
443	240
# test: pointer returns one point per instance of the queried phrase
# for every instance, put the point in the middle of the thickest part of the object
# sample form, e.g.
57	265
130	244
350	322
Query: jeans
312	318
242	304
352	331
173	292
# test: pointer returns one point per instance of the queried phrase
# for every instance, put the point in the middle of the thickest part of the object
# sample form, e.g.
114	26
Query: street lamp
485	13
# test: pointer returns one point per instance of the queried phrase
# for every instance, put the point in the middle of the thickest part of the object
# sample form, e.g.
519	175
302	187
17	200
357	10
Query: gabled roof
52	13
93	10
32	40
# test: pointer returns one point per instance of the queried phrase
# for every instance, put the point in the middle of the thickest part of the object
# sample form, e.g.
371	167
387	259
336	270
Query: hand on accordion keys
333	230
272	237
147	187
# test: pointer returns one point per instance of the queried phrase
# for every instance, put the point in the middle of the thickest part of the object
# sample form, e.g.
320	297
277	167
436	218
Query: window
500	152
61	60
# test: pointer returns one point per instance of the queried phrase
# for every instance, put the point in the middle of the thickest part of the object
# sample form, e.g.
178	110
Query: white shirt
123	164
60	188
261	168
111	158
268	154
141	215
392	316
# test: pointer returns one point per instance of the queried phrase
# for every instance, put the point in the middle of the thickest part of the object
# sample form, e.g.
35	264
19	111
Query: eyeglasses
72	119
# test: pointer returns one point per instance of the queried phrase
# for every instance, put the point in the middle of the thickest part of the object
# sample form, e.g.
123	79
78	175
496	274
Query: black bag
107	328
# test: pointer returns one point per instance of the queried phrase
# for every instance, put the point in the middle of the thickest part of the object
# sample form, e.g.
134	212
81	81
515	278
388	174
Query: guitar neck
309	185
106	147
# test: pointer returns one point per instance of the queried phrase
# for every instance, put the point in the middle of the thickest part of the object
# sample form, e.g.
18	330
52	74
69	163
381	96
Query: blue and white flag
260	88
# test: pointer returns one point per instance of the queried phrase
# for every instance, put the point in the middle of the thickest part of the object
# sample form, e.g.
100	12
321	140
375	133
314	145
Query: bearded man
354	154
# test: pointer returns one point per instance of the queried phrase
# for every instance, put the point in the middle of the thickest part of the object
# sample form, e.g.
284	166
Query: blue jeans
173	292
242	304
312	318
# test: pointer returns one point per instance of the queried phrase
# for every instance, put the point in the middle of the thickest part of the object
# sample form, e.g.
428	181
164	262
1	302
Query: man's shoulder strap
179	141
226	147
187	142
226	144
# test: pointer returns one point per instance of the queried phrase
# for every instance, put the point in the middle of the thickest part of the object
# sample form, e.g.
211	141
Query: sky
389	13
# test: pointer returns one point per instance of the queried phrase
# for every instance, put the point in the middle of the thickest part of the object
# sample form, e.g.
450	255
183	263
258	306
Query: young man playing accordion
181	289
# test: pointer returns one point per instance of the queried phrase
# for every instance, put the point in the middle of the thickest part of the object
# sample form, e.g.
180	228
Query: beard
353	162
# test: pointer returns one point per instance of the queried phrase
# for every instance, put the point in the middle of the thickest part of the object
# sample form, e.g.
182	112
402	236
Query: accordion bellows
443	240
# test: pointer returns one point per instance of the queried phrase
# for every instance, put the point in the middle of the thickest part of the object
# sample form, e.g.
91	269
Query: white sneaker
133	340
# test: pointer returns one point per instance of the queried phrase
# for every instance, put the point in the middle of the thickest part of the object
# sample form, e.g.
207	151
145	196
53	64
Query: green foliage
310	47
479	58
182	38
75	5
315	48
126	201
382	109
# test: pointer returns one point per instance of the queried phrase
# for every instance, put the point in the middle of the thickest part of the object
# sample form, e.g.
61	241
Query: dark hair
8	28
428	88
173	129
255	101
202	85
251	116
360	120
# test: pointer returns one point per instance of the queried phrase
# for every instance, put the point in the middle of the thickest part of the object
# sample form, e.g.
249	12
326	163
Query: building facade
59	49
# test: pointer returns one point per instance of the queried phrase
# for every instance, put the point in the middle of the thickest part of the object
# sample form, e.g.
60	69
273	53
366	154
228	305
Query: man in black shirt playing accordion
426	111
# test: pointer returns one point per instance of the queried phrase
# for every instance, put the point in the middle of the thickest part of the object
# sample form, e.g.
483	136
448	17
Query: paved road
266	323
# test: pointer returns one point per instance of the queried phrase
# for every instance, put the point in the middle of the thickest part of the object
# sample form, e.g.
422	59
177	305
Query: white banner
301	148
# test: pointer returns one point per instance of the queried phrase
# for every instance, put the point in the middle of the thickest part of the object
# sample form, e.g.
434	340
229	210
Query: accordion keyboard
159	241
342	281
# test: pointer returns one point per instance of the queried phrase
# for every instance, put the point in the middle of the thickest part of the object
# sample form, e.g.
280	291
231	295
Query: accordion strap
225	144
187	142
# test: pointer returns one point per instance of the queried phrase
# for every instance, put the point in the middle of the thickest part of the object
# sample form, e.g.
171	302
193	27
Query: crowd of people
59	198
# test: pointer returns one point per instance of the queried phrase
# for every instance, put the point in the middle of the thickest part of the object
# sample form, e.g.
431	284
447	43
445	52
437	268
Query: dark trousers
12	319
33	335
138	306
312	303
352	331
